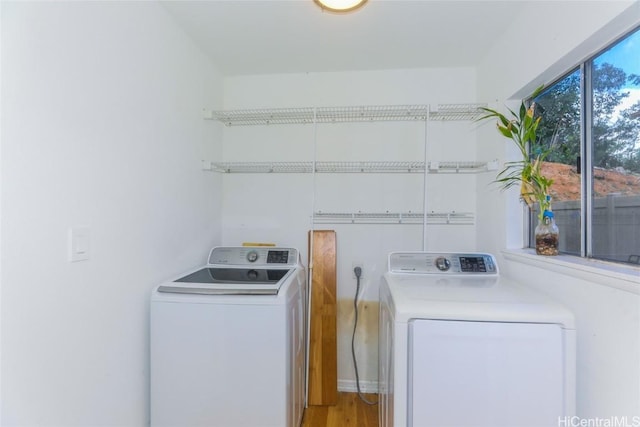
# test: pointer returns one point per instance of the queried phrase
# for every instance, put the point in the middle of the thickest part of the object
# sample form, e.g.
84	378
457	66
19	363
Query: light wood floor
349	412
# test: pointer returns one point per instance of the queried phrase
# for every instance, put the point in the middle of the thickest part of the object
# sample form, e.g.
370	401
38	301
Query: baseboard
351	386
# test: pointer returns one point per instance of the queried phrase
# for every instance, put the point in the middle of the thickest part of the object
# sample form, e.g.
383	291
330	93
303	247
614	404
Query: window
591	120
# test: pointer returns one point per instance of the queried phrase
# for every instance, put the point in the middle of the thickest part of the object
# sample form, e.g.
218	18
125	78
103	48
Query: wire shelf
376	113
264	116
369	167
436	218
460	167
457	112
352	167
263	167
371	113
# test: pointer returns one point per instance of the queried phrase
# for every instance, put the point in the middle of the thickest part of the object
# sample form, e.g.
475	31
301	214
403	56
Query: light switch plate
79	243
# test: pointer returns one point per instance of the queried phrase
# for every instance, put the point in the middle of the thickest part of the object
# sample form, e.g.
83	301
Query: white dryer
227	341
461	346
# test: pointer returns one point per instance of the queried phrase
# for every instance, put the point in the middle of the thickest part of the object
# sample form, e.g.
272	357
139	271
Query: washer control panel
442	263
254	255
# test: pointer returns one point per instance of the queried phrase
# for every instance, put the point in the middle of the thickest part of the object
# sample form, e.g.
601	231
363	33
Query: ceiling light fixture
340	5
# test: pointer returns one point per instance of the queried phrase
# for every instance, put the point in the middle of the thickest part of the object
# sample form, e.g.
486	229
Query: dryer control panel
443	263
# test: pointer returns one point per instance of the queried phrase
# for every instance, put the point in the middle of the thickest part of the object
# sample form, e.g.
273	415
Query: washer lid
229	281
216	290
239	276
239	270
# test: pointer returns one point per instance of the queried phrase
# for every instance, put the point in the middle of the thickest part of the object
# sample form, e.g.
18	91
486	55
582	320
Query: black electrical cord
358	273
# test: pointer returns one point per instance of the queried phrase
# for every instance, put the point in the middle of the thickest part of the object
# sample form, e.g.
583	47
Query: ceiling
245	37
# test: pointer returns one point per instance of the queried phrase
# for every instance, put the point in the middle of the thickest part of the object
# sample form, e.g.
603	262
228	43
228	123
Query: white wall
101	127
277	208
531	53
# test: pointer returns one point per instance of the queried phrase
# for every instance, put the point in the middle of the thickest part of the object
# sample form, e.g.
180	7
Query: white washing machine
461	346
227	342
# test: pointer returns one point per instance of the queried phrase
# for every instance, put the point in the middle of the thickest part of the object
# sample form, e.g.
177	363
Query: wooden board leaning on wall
323	357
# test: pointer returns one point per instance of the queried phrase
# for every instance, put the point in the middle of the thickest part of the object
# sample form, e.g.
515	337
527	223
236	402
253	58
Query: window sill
619	276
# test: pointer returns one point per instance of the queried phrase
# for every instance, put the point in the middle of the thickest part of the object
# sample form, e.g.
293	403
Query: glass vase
547	235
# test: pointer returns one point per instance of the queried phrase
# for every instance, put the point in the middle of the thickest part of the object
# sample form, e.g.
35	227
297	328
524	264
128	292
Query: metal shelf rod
441	218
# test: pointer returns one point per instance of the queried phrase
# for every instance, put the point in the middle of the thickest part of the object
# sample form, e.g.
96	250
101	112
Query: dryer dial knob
442	263
252	256
252	275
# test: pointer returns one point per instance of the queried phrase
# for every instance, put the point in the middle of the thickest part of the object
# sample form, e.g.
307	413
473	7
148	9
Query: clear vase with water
547	235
